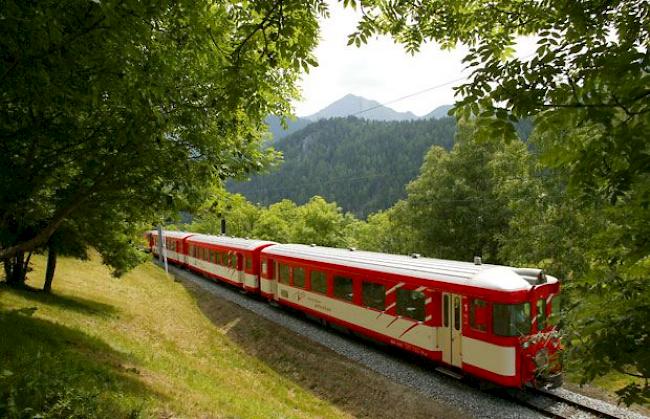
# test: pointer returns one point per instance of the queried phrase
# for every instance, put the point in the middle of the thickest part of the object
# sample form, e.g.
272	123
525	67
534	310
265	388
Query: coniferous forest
362	165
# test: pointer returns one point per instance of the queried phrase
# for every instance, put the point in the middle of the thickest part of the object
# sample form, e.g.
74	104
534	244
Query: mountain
439	112
351	105
362	165
278	131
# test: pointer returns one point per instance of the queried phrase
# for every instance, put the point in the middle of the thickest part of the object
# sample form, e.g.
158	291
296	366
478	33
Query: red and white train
492	322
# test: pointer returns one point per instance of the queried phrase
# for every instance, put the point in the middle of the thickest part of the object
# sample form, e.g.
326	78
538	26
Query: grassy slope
136	345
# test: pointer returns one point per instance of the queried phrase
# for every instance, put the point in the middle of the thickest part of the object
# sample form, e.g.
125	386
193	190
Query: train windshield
511	319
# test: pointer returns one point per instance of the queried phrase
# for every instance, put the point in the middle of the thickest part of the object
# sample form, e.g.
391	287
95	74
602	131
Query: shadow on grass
77	304
329	376
56	371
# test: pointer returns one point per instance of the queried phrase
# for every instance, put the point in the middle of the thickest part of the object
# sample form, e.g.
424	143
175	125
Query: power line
382	105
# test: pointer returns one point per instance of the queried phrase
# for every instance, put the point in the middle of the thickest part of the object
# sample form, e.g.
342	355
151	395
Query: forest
116	116
362	165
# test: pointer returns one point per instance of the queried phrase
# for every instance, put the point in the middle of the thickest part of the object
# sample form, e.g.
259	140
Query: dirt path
350	386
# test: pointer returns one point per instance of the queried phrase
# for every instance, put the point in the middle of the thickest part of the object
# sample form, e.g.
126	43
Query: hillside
134	347
148	346
362	165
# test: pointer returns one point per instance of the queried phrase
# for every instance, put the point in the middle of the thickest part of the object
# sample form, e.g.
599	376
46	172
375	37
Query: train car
492	322
175	245
232	260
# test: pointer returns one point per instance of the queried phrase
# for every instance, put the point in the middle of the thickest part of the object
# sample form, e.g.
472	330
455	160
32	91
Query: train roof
173	234
234	242
494	277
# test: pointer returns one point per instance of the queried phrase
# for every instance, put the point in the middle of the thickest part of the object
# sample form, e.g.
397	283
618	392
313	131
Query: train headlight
541	358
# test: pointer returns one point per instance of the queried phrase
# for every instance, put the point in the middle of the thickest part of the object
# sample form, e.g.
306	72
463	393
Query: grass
146	346
129	347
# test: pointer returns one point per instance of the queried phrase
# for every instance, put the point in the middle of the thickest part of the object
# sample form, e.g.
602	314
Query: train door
452	329
241	275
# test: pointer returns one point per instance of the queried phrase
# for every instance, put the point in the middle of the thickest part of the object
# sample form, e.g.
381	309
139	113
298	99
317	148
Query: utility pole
162	248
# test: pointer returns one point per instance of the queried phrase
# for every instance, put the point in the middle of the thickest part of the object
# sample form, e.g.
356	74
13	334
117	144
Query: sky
380	70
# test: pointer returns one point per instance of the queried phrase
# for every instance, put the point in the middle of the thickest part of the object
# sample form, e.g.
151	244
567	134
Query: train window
373	295
343	288
410	304
265	267
299	277
554	317
445	312
233	261
541	314
318	281
511	319
249	263
457	313
478	315
284	272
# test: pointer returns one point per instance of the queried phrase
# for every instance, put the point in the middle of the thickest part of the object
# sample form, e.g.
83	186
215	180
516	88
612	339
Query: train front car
489	321
518	312
542	347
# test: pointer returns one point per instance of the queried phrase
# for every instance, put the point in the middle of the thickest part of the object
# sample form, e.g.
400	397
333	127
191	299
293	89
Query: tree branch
260	27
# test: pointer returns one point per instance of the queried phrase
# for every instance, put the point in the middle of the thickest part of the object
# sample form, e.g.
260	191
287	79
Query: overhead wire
385	104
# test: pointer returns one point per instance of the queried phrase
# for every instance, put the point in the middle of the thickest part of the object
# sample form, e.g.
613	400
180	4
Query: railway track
564	404
557	403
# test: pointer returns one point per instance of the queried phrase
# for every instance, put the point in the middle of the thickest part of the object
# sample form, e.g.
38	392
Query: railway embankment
138	346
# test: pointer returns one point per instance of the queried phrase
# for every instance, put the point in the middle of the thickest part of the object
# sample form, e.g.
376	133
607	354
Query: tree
130	108
587	86
241	216
277	222
458	205
322	223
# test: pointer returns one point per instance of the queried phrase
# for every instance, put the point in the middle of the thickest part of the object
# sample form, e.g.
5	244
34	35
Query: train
495	323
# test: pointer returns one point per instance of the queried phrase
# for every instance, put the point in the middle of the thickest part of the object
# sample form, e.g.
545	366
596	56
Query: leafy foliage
458	205
317	221
113	111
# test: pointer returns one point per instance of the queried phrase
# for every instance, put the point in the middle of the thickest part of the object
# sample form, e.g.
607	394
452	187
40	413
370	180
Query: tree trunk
17	270
49	272
7	265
